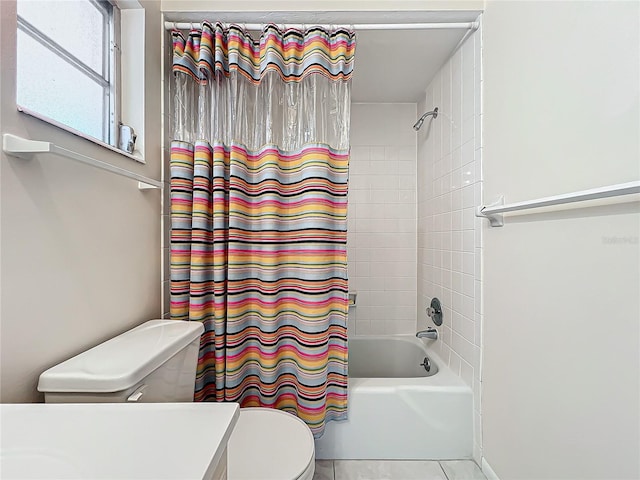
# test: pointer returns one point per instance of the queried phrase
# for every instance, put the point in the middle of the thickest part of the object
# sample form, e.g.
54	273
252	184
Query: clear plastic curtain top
288	88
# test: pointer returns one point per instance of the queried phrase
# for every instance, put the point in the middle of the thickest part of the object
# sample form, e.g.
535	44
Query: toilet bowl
268	444
156	362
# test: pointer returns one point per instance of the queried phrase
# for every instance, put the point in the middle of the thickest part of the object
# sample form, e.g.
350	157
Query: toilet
156	362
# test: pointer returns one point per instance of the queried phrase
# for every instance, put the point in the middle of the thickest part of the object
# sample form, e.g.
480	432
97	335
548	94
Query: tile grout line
443	470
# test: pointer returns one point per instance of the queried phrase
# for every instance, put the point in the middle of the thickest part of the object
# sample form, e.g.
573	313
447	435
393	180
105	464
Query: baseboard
488	471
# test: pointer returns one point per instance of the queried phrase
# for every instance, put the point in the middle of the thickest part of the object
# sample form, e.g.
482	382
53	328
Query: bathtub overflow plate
426	364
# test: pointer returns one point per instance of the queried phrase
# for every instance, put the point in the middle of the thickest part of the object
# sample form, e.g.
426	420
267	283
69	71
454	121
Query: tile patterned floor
397	470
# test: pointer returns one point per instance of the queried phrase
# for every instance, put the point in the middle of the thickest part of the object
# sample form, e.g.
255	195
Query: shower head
419	123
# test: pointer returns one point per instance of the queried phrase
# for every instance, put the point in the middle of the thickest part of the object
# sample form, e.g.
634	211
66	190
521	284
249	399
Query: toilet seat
268	444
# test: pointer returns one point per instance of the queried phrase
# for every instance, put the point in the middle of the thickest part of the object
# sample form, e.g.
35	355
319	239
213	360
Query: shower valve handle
435	311
431	311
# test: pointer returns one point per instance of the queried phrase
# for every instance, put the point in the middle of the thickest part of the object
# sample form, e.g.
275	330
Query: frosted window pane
52	87
76	25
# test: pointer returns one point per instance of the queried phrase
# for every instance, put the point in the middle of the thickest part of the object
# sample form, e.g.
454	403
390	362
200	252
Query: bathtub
398	410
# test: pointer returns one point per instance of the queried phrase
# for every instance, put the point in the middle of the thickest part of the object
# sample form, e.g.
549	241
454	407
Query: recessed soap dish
352	298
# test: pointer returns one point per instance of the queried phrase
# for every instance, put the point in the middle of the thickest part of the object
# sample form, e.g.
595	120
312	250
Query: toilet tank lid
121	362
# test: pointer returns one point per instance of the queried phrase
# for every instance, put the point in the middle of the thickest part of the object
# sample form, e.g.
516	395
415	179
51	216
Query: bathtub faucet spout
431	333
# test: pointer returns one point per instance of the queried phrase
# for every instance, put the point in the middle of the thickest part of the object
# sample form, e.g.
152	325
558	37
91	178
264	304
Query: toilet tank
154	362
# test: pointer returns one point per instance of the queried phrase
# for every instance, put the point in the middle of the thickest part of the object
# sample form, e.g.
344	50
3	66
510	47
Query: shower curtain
259	167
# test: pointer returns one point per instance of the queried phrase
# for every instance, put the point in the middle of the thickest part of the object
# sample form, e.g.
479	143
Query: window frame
108	80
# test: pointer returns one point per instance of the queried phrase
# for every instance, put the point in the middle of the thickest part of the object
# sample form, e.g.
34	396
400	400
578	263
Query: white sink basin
114	441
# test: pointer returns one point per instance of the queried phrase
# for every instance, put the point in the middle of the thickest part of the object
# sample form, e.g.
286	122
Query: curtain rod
362	26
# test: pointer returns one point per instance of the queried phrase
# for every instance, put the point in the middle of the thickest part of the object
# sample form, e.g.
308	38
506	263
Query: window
67	64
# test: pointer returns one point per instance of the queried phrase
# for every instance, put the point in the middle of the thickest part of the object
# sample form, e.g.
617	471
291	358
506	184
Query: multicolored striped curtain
259	168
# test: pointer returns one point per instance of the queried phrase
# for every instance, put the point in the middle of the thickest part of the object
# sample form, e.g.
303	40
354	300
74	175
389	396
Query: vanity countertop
114	440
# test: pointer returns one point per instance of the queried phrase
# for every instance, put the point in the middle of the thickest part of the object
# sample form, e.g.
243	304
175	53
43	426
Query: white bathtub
396	414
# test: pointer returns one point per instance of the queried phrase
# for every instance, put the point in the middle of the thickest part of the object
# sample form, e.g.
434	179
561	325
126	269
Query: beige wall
80	248
561	367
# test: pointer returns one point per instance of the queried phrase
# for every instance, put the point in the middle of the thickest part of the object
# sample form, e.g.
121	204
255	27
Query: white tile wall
382	219
449	236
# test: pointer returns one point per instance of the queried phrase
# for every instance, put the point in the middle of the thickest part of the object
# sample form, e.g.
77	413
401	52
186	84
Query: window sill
133	156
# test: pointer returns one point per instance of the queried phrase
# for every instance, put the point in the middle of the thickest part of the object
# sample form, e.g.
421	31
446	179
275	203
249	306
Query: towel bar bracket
495	219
